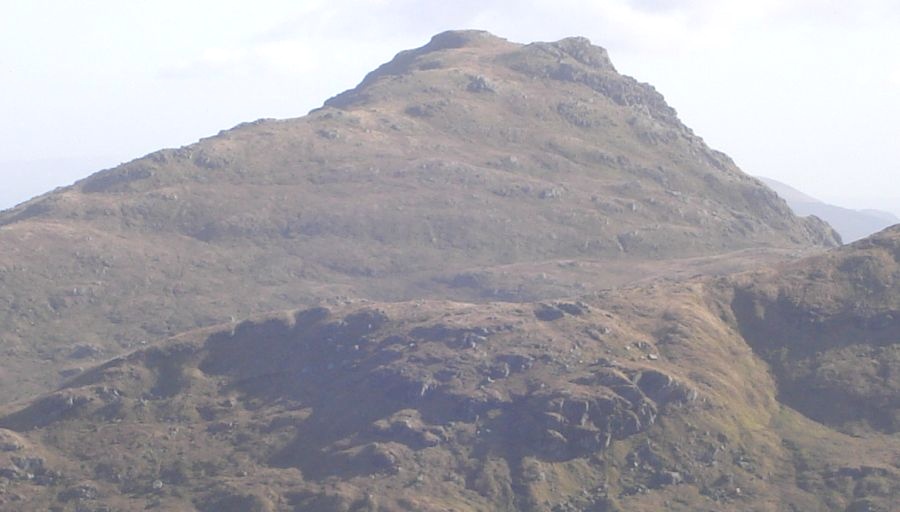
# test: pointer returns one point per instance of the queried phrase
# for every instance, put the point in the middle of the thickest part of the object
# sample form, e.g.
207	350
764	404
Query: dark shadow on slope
835	369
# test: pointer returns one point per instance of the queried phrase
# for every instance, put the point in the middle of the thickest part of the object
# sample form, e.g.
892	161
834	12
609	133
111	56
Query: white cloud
276	57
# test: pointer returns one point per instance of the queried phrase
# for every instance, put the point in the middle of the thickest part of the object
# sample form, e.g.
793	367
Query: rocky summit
493	276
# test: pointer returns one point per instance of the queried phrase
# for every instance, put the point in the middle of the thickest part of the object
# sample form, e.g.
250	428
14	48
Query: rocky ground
698	395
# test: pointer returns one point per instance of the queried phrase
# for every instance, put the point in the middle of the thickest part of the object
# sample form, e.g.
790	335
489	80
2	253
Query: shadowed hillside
830	328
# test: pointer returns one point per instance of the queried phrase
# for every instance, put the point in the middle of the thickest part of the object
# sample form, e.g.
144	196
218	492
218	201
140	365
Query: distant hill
851	224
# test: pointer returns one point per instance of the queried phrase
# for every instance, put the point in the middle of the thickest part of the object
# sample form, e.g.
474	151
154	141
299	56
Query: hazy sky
804	91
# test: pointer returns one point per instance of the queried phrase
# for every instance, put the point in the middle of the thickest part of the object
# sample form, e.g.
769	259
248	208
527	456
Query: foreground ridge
656	396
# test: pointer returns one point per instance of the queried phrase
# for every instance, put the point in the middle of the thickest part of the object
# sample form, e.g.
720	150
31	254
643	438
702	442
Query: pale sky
803	91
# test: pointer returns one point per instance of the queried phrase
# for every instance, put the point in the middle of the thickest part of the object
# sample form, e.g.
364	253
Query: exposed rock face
373	393
465	169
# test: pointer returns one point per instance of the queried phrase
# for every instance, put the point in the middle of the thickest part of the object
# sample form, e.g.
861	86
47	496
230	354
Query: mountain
767	390
881	214
851	224
471	169
492	276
